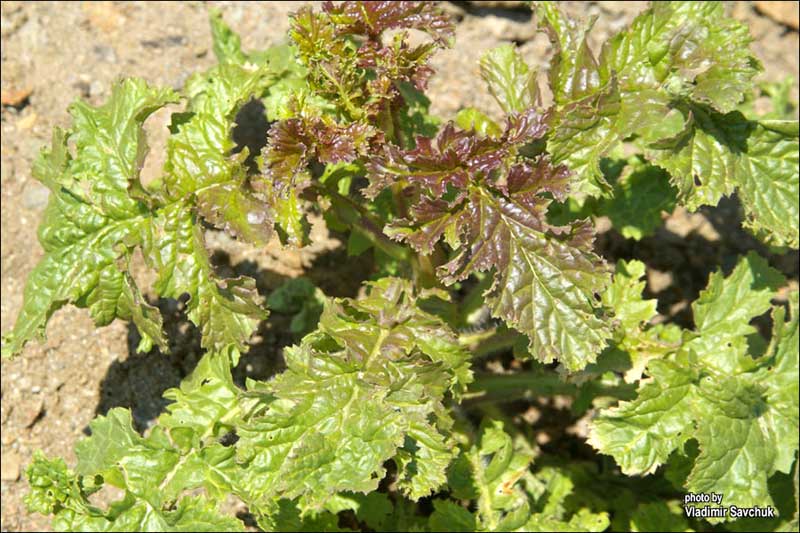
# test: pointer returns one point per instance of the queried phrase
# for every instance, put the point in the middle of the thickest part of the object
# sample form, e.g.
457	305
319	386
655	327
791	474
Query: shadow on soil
139	381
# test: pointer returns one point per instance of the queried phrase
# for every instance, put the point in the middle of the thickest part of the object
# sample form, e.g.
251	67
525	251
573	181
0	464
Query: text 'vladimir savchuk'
710	506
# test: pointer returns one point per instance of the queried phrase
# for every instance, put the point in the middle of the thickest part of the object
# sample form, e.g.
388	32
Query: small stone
9	470
30	410
15	97
785	13
27	122
105	53
96	88
104	16
34	196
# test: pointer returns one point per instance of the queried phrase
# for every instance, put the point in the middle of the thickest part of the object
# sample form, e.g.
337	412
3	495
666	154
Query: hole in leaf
156	131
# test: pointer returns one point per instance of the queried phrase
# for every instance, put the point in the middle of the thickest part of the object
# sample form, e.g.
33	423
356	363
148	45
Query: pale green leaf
449	516
360	391
673	56
633	335
639	197
726	153
227	311
199	149
624	296
743	412
510	80
227	44
472	119
93	217
723	312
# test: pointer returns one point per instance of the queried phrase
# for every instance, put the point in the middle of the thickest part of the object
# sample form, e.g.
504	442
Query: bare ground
64	51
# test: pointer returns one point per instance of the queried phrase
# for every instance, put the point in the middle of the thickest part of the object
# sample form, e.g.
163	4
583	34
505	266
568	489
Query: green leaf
667	82
93	217
181	453
449	516
639	197
574	70
366	387
199	149
742	411
99	212
471	119
287	517
510	81
237	211
206	405
110	148
227	44
495	470
64	494
723	312
659	516
227	311
301	299
633	335
546	277
726	153
585	133
624	296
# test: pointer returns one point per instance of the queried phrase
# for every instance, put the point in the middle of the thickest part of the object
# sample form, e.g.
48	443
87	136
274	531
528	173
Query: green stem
501	388
487	342
362	219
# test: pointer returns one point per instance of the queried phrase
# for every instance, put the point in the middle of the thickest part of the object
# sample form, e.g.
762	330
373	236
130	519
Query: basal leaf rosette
488	204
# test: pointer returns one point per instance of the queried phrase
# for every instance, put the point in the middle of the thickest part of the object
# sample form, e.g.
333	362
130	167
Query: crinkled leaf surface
633	335
727	153
363	87
671	82
495	471
155	472
58	491
92	219
742	411
366	387
99	212
509	79
471	192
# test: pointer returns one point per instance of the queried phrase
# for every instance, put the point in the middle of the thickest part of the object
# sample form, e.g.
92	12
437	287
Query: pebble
9	470
105	53
27	122
785	13
30	409
97	88
34	196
